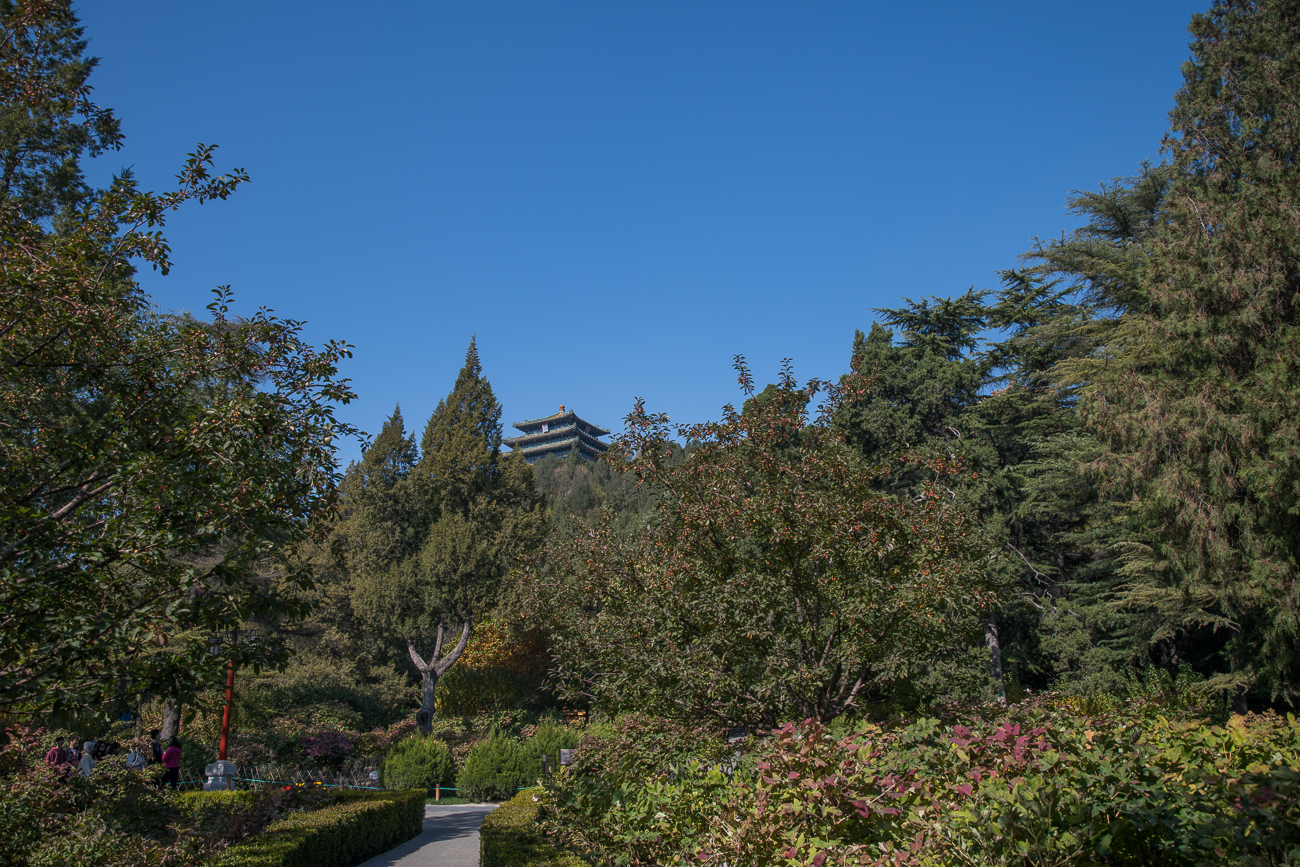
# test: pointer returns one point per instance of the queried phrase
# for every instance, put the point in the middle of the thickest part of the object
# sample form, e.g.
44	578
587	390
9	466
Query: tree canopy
776	581
430	540
154	465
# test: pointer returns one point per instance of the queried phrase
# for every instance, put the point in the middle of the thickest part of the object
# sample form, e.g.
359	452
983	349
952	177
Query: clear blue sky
618	197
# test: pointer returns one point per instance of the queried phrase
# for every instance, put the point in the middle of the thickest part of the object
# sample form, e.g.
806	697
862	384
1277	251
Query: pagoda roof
562	415
569	441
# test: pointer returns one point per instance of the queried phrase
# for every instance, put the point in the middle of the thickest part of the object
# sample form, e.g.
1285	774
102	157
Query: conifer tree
42	140
380	521
462	513
920	395
1078	295
1198	401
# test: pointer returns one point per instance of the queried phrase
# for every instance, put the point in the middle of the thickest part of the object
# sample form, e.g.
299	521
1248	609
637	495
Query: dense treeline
1112	426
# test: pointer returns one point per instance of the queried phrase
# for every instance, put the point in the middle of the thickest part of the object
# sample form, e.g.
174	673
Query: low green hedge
355	827
194	807
510	837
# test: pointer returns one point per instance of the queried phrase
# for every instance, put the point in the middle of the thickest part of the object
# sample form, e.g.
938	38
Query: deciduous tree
153	464
778	580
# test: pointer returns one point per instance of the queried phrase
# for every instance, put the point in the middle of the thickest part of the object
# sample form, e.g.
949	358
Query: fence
274	775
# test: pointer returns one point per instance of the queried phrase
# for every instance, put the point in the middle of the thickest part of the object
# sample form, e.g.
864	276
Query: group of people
81	756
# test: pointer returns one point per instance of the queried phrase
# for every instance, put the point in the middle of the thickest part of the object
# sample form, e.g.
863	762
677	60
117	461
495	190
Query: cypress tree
469	511
380	520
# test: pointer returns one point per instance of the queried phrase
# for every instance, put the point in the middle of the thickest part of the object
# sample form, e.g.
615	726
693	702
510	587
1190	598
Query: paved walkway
449	839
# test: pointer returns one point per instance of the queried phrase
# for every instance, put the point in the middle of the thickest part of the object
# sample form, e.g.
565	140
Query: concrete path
449	839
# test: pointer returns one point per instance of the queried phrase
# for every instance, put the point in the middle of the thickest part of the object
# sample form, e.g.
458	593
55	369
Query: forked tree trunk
435	668
995	656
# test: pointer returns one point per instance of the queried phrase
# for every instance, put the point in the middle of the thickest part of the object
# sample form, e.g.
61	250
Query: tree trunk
435	668
171	724
995	656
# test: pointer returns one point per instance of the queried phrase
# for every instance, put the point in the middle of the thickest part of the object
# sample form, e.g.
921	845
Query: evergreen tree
42	139
1079	295
460	516
1198	398
380	520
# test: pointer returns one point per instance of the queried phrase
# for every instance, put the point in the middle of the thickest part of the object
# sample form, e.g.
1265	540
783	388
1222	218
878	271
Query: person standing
138	758
155	748
56	756
87	763
171	760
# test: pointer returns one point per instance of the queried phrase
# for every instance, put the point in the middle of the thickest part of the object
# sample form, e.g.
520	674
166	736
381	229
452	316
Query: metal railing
253	777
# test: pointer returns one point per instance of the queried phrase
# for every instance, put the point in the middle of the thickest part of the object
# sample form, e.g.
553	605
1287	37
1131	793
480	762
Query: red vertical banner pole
225	716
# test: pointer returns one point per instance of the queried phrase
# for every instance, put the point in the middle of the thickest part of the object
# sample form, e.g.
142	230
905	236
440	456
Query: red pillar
225	716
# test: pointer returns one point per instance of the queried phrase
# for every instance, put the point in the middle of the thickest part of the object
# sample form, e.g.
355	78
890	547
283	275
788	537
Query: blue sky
618	197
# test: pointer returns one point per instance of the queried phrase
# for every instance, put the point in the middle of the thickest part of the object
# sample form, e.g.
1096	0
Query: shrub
1030	784
465	691
511	837
548	738
130	801
640	790
195	754
347	832
416	763
640	745
328	748
494	770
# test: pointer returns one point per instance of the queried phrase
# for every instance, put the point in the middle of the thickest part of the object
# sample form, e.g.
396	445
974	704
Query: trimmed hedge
197	806
355	827
510	837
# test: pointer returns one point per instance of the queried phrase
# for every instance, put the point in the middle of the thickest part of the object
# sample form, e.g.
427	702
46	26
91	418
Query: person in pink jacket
172	764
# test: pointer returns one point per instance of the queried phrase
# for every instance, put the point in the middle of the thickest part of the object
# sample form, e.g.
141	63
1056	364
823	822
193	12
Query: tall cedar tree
1199	405
430	548
1077	295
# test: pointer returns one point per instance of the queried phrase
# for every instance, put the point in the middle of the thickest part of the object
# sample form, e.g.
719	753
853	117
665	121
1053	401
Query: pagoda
558	435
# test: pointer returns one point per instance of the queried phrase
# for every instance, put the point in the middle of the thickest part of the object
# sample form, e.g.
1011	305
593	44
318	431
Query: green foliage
777	579
465	691
511	837
113	807
120	818
639	789
419	762
577	491
549	737
1194	391
155	464
429	541
494	770
1034	783
42	139
638	746
345	833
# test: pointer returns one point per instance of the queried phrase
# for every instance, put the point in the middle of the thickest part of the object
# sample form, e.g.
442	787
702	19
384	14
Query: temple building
558	435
